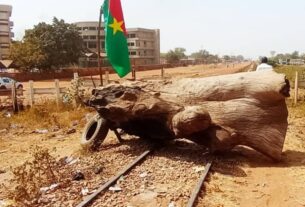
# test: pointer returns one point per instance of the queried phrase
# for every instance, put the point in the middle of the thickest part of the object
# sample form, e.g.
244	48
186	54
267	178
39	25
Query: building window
85	28
133	53
92	37
92	45
92	28
131	44
103	45
132	35
85	37
79	28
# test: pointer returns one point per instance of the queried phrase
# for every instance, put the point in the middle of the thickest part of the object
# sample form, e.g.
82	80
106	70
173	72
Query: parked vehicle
7	83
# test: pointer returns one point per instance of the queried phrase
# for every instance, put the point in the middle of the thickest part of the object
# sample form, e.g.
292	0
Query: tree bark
219	112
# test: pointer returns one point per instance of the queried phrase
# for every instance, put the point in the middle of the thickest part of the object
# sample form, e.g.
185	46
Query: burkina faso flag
116	37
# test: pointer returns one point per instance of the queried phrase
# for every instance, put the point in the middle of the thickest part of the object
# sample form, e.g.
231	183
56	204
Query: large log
219	112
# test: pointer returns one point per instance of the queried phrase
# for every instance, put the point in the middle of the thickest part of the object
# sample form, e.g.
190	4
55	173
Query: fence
13	93
18	94
301	79
57	91
68	73
298	83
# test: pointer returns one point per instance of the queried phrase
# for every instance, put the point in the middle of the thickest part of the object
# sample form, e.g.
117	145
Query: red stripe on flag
116	11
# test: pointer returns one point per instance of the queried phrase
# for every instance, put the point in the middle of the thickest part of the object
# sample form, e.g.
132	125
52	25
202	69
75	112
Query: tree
171	57
295	55
272	53
287	56
218	112
212	59
201	54
27	55
233	58
226	57
58	44
174	56
205	57
240	58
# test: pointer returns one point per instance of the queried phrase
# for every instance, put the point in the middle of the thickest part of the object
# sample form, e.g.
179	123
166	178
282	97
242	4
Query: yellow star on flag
116	26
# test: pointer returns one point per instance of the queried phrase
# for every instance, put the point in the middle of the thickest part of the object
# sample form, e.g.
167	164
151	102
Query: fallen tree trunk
219	112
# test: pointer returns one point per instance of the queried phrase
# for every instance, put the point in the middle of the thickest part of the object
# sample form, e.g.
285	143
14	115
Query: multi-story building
143	44
5	31
88	31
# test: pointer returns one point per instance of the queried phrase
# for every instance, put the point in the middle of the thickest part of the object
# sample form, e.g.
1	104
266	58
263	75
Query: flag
116	37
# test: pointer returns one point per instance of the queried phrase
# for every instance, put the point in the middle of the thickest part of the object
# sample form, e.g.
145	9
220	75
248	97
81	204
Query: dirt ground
263	183
190	71
240	178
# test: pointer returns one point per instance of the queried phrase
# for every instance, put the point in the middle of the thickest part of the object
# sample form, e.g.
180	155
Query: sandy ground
190	71
166	178
263	183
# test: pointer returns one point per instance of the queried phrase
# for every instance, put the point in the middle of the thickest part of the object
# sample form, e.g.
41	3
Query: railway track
88	201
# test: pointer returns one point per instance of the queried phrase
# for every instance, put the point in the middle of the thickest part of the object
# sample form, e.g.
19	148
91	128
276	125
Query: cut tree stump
219	112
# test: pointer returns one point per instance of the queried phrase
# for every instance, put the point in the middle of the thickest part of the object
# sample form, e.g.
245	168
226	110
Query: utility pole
99	46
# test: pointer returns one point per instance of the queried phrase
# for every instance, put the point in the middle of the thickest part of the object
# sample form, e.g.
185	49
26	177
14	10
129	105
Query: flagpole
99	46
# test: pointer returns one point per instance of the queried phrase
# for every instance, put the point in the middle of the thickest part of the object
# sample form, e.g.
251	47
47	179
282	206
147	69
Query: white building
5	30
296	62
292	62
143	44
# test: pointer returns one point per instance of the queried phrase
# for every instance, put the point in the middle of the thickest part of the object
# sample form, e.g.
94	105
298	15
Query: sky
251	28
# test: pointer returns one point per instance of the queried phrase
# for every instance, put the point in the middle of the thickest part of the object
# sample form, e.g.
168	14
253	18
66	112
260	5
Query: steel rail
90	198
197	189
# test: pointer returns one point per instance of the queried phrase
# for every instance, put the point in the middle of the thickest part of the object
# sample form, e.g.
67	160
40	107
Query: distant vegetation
202	56
293	55
47	47
174	56
277	58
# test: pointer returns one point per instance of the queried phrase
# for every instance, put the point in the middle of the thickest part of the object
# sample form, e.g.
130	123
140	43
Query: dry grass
297	110
46	115
30	177
289	71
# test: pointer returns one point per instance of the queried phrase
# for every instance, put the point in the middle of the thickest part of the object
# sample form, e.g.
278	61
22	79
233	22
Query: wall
68	73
